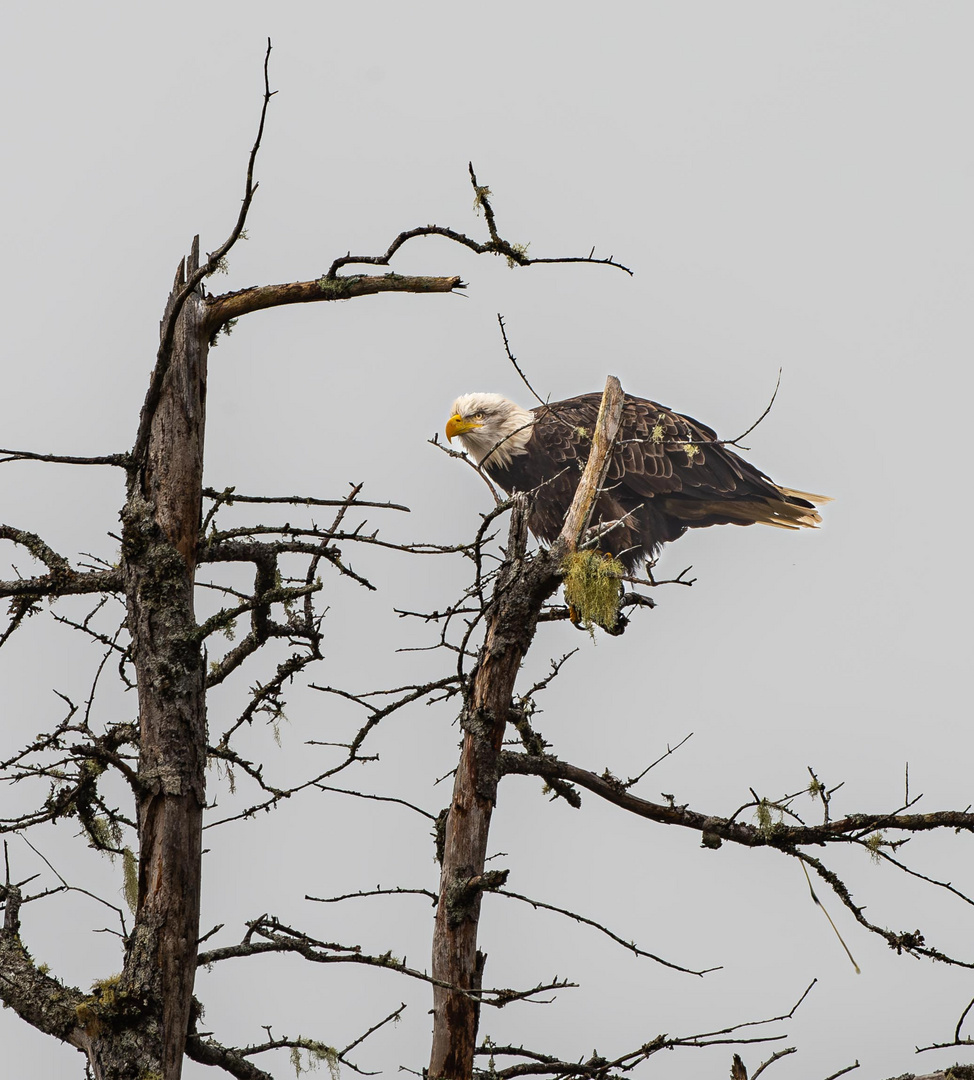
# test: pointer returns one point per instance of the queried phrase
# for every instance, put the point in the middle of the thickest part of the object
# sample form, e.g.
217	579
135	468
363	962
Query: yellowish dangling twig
829	917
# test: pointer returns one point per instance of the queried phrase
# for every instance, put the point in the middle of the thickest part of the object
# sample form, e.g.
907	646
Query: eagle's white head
490	427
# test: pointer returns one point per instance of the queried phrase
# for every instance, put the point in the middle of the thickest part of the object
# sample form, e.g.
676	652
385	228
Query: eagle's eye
478	416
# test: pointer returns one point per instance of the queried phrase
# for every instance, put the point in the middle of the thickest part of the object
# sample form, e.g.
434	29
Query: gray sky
792	185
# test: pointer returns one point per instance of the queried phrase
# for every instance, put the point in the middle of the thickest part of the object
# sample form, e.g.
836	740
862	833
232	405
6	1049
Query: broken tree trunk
161	522
522	587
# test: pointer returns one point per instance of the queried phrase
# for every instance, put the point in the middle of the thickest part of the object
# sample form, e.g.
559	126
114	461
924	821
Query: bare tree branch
222	309
209	1052
278	938
60	580
187	285
604	930
601	1068
121	460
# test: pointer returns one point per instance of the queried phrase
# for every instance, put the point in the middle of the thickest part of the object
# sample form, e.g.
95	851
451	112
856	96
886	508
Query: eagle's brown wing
668	473
658	452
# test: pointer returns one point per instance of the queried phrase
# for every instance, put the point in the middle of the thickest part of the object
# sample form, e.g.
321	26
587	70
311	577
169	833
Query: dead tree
141	1022
510	604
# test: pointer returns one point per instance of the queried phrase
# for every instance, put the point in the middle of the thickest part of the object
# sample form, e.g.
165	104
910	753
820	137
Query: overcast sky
791	183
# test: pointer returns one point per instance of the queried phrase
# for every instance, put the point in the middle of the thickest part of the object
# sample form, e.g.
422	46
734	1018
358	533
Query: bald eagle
668	472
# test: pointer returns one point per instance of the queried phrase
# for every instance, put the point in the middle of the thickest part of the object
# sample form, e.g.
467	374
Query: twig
736	442
602	929
496	245
397	891
776	1056
393	1016
632	781
76	888
513	360
229	496
847	1069
164	354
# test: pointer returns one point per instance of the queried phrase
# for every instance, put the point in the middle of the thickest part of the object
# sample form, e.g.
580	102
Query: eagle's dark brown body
668	473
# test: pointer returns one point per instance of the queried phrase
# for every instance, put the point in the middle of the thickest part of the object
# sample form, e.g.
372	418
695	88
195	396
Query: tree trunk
520	591
522	587
161	522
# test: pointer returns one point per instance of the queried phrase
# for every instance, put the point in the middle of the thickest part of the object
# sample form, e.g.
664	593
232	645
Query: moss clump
593	589
770	818
95	1013
439	834
316	1053
130	878
337	287
520	251
873	844
480	194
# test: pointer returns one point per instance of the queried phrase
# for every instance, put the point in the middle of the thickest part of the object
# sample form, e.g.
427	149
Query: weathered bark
456	960
135	1024
221	309
37	998
521	589
161	521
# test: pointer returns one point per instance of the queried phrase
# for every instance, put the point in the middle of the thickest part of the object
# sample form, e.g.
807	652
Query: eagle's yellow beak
456	425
